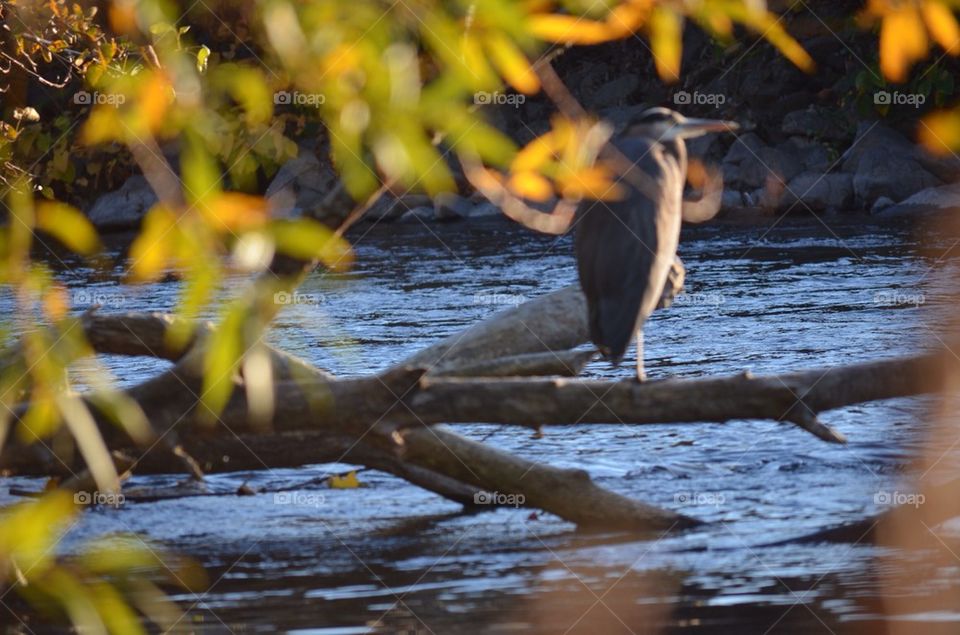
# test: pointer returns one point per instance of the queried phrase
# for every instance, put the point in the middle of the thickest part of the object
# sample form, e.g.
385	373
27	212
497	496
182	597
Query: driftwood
393	421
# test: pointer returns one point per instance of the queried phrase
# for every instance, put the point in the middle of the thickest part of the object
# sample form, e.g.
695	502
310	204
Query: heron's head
664	125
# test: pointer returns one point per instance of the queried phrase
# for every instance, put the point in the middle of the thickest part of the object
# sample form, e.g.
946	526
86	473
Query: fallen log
389	421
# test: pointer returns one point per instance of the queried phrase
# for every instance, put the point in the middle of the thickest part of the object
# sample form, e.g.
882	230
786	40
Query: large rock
448	206
750	164
945	198
308	185
885	164
123	208
819	192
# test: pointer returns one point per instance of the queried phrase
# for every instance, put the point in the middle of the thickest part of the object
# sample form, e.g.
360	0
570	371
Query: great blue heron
625	248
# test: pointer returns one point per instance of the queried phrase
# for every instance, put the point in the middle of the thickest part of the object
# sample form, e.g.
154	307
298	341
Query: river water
388	557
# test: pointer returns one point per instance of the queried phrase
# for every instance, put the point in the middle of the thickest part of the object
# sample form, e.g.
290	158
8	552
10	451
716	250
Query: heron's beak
698	127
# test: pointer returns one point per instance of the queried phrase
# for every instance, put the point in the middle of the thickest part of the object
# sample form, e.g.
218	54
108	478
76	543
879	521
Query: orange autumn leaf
940	132
594	182
942	26
627	18
531	185
903	41
236	212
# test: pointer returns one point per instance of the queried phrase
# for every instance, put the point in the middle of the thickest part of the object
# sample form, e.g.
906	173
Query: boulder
485	209
389	207
881	204
879	173
417	215
123	208
449	206
819	192
884	163
750	164
945	198
308	185
731	199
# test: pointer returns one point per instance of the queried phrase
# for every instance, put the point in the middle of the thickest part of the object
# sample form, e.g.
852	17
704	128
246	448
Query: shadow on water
391	558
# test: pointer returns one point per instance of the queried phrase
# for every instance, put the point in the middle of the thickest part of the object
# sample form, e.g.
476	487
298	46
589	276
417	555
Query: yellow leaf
535	154
788	46
903	41
68	225
151	250
307	239
102	126
347	481
567	29
512	63
942	26
666	40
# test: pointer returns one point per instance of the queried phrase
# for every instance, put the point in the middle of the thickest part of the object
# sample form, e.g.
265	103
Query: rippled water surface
393	558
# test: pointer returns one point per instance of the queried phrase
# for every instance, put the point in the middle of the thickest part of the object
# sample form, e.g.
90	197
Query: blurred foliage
104	590
206	103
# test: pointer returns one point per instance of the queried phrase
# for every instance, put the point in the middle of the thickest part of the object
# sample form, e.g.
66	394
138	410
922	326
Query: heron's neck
678	150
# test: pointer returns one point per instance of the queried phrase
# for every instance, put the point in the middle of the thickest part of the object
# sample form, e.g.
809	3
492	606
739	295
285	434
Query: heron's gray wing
616	246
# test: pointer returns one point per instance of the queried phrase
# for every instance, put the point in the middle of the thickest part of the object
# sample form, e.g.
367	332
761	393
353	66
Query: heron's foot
641	377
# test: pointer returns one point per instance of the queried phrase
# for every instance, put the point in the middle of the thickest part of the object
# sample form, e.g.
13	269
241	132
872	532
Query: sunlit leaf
512	63
940	132
202	56
68	225
531	185
308	240
568	29
345	481
151	250
666	39
903	41
942	26
236	212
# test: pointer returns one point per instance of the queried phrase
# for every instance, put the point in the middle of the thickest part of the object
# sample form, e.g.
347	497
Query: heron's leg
641	376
